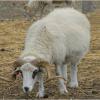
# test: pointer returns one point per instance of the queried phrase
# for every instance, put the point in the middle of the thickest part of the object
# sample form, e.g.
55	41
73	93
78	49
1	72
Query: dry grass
12	35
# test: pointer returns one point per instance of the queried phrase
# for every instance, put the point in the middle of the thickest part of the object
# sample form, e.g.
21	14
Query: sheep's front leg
41	86
74	81
62	86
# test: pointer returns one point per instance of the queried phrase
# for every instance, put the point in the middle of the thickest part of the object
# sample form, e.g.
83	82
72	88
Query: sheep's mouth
27	95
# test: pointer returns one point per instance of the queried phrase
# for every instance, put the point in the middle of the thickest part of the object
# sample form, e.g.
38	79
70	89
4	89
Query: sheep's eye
34	73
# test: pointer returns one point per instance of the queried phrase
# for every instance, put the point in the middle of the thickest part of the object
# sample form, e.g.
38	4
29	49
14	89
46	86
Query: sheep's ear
14	74
18	63
17	72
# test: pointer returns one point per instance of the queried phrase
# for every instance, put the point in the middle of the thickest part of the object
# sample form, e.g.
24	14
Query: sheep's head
29	71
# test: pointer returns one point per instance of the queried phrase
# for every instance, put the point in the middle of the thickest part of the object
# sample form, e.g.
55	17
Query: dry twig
5	79
56	77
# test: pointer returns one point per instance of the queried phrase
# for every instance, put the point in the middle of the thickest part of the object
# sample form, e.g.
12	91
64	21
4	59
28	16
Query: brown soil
12	34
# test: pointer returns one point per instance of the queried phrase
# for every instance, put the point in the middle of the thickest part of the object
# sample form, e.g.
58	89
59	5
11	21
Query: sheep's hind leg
62	86
74	81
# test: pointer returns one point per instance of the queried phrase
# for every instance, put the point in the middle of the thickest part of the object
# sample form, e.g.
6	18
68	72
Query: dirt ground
12	34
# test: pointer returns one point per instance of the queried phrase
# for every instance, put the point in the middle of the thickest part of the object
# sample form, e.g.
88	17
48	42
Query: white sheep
36	4
60	38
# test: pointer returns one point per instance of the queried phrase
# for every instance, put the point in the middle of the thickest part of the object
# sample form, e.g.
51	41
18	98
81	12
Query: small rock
94	92
45	96
2	49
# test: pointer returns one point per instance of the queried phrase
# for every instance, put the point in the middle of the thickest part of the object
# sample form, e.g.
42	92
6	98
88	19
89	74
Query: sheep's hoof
74	84
40	95
63	91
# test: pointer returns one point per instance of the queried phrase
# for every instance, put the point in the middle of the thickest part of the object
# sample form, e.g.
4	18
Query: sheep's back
70	27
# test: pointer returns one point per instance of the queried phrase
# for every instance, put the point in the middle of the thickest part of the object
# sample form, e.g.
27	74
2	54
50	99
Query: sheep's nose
26	89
